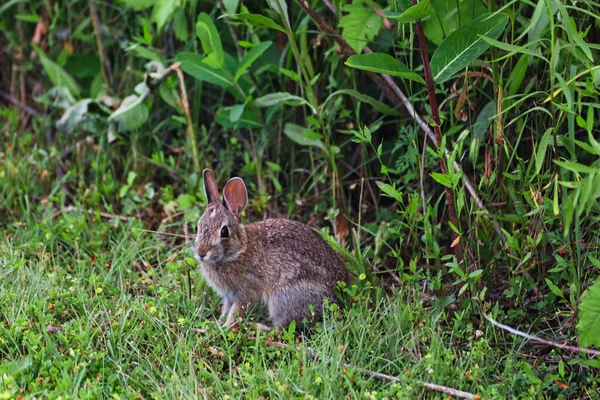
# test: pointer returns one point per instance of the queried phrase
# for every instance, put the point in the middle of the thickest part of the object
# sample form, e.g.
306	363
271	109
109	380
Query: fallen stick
540	340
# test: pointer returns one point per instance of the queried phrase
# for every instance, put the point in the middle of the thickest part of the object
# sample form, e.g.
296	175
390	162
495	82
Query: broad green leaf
211	41
250	57
449	16
589	317
295	133
414	13
383	64
192	64
463	46
131	114
442	179
259	21
360	24
57	75
376	104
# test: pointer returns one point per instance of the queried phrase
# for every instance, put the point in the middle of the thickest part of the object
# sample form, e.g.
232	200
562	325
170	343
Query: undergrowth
110	111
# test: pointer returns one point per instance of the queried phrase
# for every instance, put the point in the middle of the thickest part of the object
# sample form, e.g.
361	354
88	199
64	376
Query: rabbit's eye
224	232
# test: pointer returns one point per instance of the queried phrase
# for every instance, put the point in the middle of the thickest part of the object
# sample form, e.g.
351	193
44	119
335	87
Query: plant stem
458	251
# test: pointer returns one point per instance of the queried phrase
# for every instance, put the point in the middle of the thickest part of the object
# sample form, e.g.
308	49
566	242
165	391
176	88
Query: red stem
458	251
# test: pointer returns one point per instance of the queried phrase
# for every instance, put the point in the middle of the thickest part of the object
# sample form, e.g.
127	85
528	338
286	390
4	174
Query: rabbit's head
220	237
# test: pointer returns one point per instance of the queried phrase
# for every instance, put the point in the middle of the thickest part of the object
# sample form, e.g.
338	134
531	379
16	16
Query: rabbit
283	263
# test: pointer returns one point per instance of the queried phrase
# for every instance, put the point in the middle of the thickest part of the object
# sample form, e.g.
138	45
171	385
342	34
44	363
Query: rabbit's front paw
235	311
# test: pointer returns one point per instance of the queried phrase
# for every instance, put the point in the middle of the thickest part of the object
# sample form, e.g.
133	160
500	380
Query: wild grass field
449	151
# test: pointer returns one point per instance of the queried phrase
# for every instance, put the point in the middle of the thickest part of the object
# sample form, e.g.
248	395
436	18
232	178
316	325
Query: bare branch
540	340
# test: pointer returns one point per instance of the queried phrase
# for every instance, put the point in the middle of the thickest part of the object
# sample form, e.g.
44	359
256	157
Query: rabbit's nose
201	253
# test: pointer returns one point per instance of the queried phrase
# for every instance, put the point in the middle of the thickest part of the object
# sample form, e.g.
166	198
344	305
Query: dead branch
540	340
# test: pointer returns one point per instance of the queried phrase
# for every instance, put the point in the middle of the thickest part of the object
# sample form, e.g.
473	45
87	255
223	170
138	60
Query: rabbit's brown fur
284	263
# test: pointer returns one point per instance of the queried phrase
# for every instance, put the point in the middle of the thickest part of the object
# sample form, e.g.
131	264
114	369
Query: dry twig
540	340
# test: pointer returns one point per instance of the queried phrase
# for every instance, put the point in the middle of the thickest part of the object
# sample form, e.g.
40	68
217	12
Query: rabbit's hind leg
296	302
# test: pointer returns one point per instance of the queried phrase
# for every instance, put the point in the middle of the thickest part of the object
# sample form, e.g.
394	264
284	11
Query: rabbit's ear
235	196
210	186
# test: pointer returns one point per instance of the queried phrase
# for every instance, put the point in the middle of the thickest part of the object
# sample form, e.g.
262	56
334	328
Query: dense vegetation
449	150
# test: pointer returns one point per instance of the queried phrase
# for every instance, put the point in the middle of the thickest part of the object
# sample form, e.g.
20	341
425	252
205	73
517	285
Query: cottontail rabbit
284	263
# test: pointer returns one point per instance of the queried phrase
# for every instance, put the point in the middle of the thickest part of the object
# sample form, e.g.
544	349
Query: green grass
91	307
99	294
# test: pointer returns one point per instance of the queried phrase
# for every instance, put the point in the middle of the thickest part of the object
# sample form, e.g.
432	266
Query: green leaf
290	74
442	179
191	261
211	41
449	16
414	13
464	45
545	141
162	12
259	21
512	49
250	57
589	317
145	52
57	75
389	191
280	7
231	5
236	112
180	25
192	64
376	104
280	97
131	114
246	120
360	24
576	167
383	64
573	36
555	289
295	133
137	5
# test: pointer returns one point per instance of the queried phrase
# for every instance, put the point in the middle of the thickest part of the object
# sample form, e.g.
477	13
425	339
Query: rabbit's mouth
208	258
